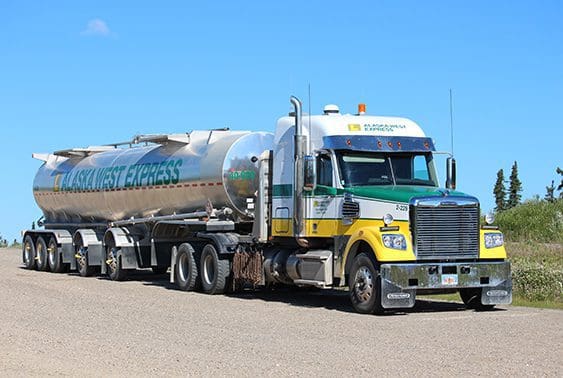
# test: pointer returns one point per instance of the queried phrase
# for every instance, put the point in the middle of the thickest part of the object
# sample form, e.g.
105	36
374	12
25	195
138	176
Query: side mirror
310	173
450	173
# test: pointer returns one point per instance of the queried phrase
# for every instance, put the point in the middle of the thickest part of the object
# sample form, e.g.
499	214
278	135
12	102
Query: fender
120	238
90	239
225	242
372	237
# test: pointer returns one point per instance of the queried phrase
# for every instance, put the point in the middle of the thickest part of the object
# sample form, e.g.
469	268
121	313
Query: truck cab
370	197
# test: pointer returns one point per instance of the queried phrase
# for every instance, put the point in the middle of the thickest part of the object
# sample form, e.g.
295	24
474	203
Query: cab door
323	218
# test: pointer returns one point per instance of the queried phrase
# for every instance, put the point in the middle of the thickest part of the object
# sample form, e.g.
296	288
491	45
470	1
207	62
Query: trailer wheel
472	299
185	269
214	271
113	261
81	255
28	252
365	286
41	254
54	257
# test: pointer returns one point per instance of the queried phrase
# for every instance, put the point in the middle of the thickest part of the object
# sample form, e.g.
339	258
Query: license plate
449	279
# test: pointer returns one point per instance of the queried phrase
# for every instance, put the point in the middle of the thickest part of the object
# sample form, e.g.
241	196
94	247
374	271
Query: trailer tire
82	265
41	254
214	271
365	286
28	252
185	269
471	297
54	258
114	266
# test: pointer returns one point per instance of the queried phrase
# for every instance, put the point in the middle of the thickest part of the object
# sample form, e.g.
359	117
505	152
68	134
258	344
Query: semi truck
327	201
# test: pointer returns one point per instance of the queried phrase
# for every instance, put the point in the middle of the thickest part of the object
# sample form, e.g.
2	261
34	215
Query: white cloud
97	27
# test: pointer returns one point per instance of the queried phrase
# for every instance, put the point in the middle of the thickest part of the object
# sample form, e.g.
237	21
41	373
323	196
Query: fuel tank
168	175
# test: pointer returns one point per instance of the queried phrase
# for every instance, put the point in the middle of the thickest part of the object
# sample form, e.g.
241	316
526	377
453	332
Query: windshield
373	168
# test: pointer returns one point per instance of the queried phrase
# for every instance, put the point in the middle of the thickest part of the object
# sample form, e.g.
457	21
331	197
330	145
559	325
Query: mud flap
393	296
500	294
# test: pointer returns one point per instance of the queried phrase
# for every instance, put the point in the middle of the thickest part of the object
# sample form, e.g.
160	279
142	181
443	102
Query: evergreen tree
515	188
560	187
500	192
550	192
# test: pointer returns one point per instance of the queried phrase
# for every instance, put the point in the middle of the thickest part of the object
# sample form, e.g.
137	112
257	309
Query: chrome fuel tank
161	178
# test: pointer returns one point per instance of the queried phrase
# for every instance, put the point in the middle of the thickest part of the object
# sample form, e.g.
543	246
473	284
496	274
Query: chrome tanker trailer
328	200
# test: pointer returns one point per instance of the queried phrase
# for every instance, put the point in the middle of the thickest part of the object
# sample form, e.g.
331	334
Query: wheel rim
27	252
363	284
112	260
208	269
82	259
39	256
51	251
183	267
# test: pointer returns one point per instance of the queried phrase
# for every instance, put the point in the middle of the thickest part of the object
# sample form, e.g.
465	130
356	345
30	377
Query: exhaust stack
300	149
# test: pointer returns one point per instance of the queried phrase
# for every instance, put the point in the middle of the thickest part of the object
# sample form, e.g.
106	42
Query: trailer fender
226	242
120	238
90	239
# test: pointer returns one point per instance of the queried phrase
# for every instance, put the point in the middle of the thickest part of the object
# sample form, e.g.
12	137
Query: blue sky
94	72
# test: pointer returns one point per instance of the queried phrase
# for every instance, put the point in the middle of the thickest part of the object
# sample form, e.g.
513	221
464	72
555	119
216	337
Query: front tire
214	271
41	254
365	286
472	299
28	252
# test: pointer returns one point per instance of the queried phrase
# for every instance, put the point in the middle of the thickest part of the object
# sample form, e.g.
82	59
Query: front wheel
472	299
365	286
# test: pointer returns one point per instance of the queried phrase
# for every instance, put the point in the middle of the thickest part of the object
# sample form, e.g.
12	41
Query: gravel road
63	324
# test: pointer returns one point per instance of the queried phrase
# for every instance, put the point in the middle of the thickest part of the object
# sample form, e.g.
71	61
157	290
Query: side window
420	168
324	171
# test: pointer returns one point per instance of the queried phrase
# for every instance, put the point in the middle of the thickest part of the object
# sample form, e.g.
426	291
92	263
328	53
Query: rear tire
365	286
472	299
114	267
41	254
82	265
54	257
28	252
214	271
185	269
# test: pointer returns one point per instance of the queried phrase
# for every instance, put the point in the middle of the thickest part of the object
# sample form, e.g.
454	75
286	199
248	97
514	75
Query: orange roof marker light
361	109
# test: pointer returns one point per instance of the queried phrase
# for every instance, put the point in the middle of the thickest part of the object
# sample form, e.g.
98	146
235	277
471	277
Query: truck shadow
329	299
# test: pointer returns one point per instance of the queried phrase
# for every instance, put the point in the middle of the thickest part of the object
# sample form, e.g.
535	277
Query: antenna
310	136
451	122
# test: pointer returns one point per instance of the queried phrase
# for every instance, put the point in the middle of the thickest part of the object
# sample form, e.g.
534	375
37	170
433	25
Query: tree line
505	200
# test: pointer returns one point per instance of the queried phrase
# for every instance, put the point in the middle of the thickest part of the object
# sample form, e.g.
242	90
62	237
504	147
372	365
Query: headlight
493	240
490	218
394	241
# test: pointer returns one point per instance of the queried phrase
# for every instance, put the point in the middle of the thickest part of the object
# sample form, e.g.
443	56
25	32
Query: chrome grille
446	231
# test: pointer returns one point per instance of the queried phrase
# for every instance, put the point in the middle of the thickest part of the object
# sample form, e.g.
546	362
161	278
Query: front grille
445	231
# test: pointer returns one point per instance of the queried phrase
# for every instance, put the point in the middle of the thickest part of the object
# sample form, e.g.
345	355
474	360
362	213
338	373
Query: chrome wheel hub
363	284
112	259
